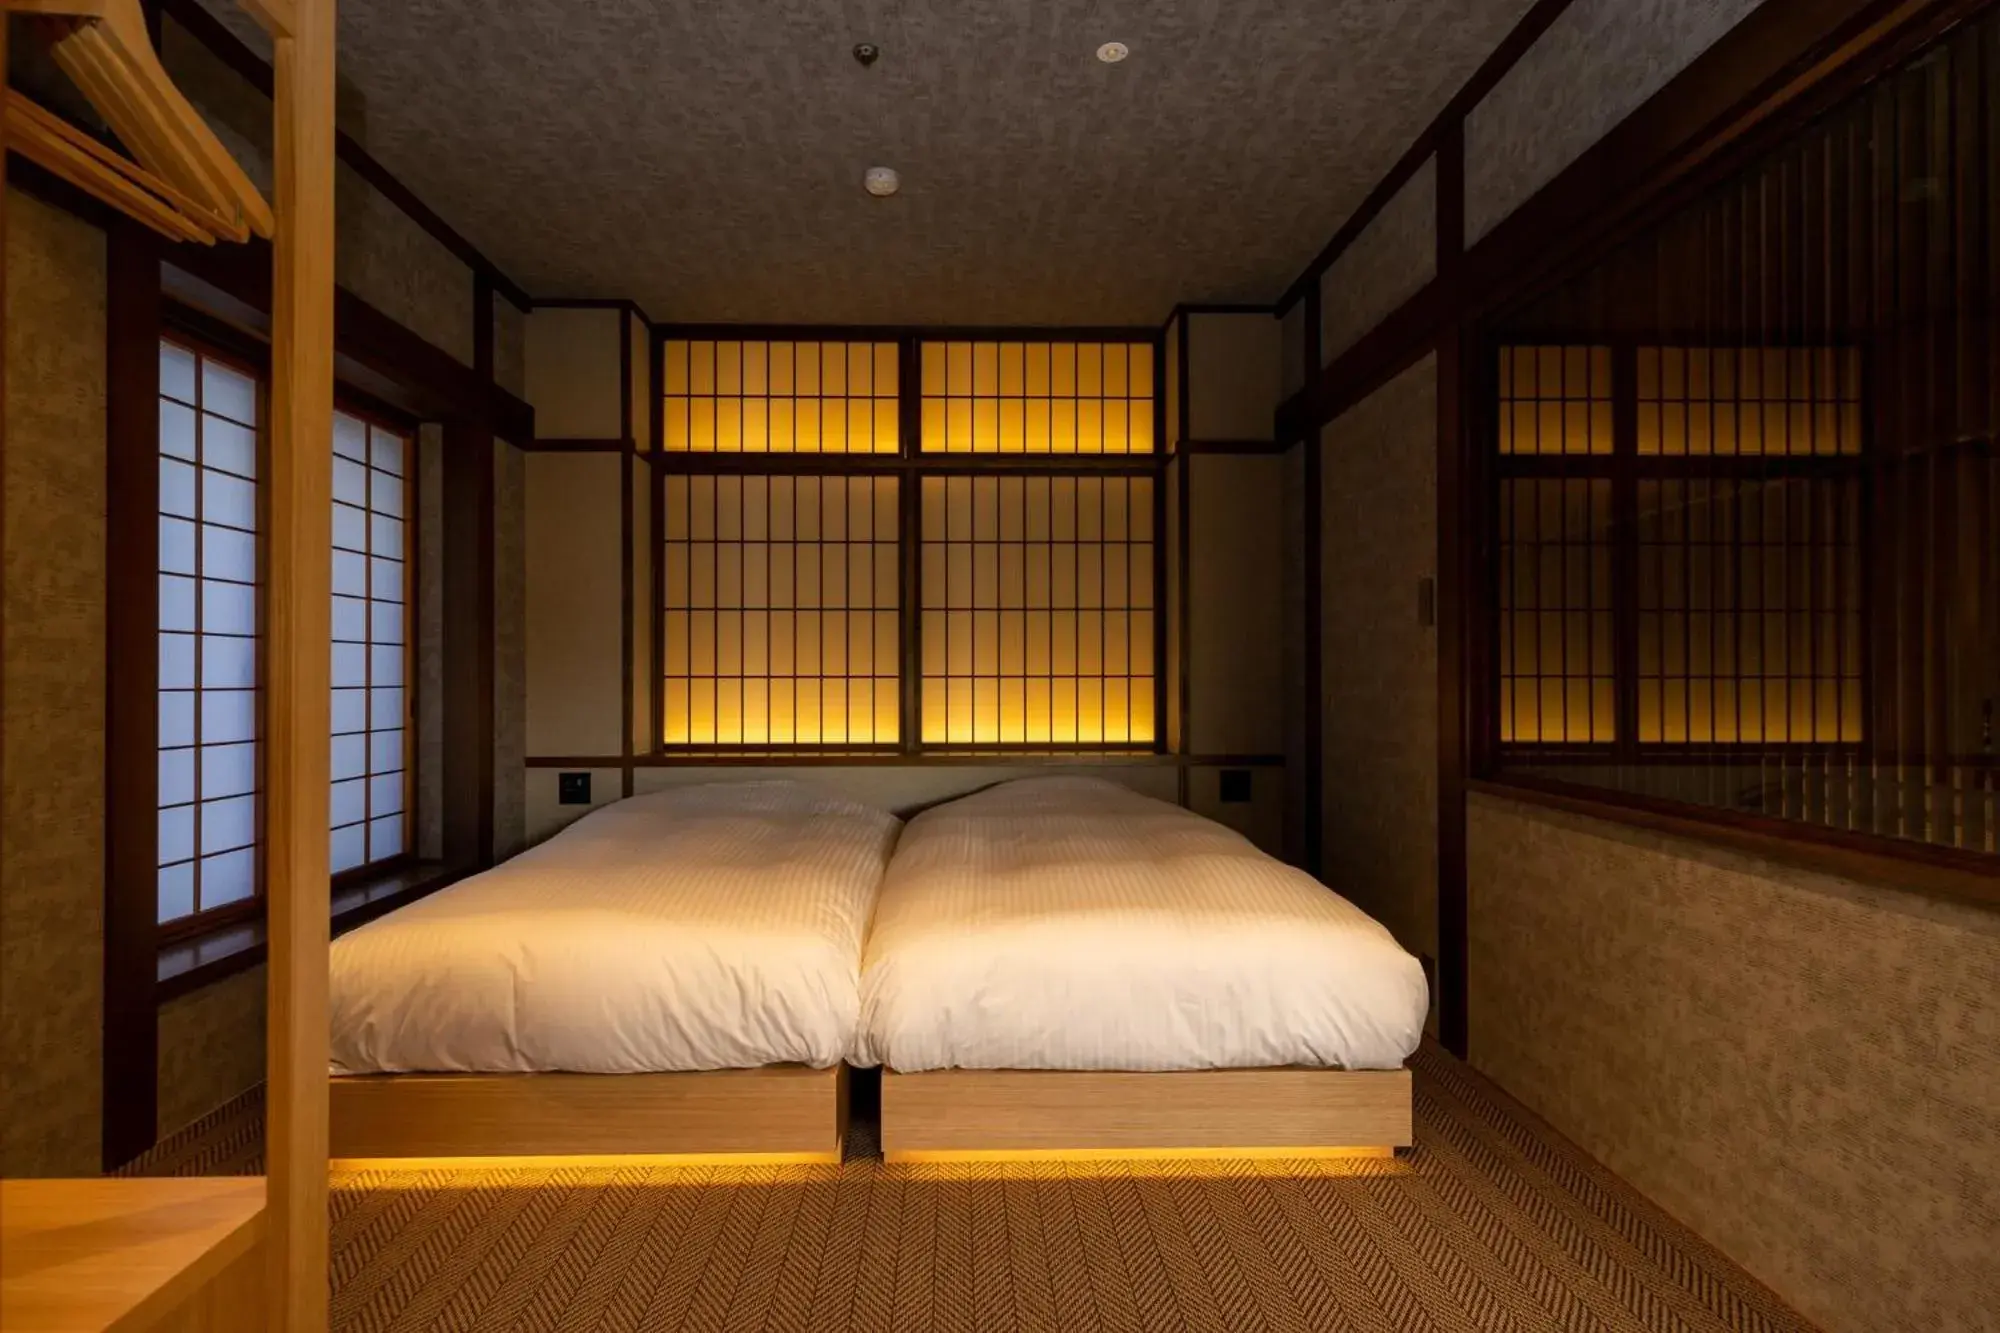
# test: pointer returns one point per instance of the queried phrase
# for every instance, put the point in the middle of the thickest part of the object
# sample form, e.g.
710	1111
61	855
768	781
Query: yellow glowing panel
1555	624
567	1161
998	397
755	396
779	605
1706	401
1038	619
1055	1157
1555	400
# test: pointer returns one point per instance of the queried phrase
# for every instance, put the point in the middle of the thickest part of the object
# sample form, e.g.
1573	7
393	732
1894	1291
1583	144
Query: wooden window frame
910	463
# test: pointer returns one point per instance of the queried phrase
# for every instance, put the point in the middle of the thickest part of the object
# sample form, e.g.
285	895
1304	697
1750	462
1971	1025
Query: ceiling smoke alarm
1113	52
881	181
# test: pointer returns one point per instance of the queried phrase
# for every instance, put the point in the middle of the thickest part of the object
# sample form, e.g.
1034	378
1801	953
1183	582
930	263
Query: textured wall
572	372
510	347
1595	65
510	666
1379	538
1390	261
52	695
1233	375
211	1047
1236	607
573	620
1802	1068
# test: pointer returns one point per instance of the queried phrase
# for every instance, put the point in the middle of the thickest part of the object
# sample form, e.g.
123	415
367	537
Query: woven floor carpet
1491	1222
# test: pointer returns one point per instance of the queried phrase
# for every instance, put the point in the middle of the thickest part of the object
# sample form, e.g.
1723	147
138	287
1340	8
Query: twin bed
1050	966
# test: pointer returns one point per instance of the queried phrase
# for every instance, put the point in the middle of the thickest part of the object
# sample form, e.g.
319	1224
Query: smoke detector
1113	52
881	181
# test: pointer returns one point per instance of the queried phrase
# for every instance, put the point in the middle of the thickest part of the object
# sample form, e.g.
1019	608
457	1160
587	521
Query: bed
674	973
1062	965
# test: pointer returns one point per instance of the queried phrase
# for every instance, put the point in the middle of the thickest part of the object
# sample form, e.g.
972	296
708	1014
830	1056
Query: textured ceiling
705	156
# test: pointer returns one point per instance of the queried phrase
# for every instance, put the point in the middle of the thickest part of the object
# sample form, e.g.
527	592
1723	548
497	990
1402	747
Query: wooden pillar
468	645
299	702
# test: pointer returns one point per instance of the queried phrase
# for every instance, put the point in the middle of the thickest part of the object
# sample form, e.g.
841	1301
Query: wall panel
52	693
573	620
211	1047
1236	611
1594	66
1389	262
1799	1067
573	373
1232	374
1379	524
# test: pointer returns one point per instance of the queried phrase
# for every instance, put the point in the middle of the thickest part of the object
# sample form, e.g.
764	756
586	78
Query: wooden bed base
1006	1114
780	1113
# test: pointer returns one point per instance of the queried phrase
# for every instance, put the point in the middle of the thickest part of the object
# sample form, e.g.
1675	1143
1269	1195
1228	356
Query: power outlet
573	789
1235	786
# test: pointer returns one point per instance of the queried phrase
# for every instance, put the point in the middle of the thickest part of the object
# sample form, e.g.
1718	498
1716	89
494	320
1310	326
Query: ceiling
704	157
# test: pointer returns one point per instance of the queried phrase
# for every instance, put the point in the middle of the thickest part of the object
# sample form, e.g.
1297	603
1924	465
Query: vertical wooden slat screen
1791	482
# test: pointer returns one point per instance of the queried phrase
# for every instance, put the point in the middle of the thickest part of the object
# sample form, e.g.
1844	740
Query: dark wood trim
582	445
1161	739
1183	309
933	757
1915	867
921	332
1451	120
626	304
930	465
1402	339
468	706
1312	841
132	649
1233	447
1183	523
1453	578
657	492
232	51
627	537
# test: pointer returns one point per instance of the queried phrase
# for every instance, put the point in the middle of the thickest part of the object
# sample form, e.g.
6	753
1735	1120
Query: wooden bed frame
779	1113
1006	1114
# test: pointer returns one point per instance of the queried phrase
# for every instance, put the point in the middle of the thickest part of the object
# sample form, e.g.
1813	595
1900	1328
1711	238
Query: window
372	644
794	589
1743	479
210	769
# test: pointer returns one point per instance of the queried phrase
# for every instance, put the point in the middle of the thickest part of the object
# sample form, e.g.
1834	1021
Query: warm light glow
564	1161
1555	400
1180	1163
915	1156
1038	398
1038	610
753	396
1708	401
779	602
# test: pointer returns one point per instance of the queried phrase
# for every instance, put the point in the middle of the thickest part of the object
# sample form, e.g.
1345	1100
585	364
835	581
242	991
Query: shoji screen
1038	397
372	736
780	396
780	604
210	776
1038	606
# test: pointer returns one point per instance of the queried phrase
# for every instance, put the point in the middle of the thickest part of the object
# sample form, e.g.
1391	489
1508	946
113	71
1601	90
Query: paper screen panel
1555	610
1038	397
1555	400
752	396
780	611
1038	611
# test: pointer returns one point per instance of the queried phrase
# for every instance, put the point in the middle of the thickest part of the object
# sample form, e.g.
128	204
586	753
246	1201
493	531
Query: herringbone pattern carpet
1490	1222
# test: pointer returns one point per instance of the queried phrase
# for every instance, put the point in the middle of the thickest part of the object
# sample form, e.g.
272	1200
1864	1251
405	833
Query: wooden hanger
104	47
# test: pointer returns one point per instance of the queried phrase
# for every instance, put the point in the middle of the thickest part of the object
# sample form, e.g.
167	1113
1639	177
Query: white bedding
709	927
1068	923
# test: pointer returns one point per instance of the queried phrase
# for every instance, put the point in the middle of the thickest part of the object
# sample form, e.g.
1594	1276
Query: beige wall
1378	539
1235	613
211	1047
1389	262
1802	1068
1595	65
52	694
573	698
1232	375
572	372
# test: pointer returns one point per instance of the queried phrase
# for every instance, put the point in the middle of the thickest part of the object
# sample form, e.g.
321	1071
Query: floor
1491	1222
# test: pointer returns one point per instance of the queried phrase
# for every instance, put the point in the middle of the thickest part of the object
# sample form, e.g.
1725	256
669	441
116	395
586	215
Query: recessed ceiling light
1113	52
881	181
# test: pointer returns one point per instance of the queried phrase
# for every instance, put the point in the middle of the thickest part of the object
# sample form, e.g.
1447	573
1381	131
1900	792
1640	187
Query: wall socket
573	789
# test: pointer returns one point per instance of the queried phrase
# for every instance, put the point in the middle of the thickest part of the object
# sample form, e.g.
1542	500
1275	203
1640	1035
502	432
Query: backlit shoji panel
1038	397
765	396
371	644
780	605
1555	400
1038	610
1701	401
1556	624
210	769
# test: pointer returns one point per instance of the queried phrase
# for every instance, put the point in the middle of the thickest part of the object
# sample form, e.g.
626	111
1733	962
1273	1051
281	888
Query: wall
52	694
211	1047
1388	263
1800	1067
1379	665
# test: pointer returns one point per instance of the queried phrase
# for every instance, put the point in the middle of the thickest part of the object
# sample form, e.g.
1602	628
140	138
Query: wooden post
298	699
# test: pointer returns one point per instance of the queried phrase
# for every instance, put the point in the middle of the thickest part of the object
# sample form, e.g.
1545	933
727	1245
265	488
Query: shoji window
756	396
993	397
210	774
372	560
1038	607
781	606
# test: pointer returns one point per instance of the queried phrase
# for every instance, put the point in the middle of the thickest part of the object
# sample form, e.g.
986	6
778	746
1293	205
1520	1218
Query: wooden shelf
92	1256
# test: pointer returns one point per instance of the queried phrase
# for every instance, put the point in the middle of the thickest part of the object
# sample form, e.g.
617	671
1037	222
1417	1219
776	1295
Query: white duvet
710	927
1069	923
